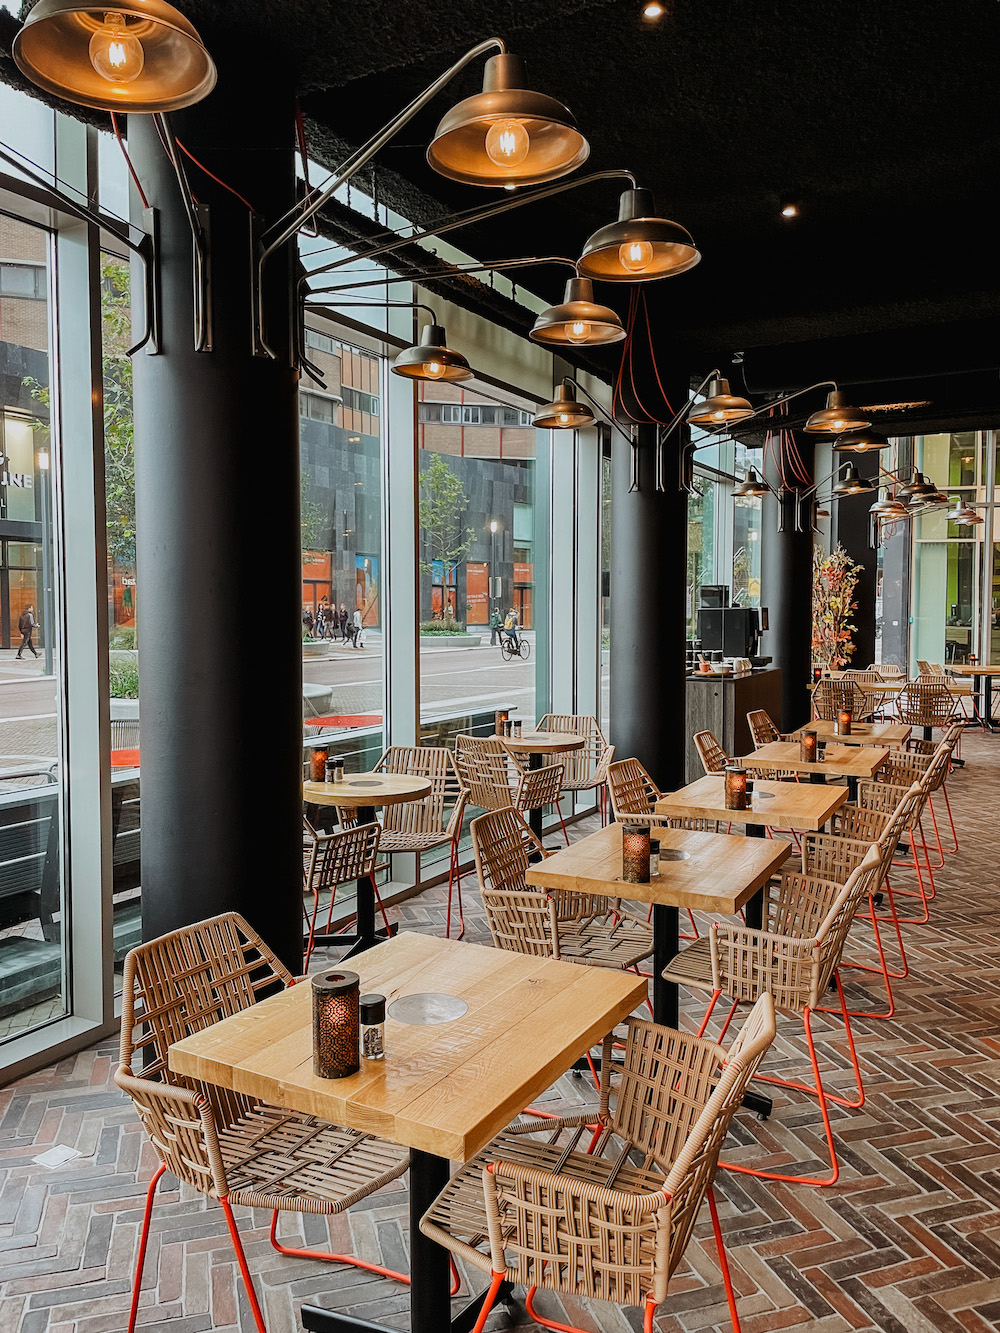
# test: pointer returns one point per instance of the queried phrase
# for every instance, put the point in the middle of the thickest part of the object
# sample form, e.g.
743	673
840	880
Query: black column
786	591
850	527
648	609
217	522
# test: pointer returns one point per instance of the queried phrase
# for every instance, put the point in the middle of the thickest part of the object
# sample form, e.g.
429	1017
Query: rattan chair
830	697
332	859
713	757
433	821
494	780
835	856
762	728
870	677
124	733
586	769
228	1145
795	957
611	1223
576	927
953	737
925	703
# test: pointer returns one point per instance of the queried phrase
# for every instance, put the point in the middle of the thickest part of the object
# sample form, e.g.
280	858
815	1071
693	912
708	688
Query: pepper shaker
372	1012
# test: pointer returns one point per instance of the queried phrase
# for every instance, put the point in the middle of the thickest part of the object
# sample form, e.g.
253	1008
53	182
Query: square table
892	734
982	684
708	872
839	761
444	1089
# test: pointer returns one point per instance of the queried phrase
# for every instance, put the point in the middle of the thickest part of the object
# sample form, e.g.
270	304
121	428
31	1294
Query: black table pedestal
430	1274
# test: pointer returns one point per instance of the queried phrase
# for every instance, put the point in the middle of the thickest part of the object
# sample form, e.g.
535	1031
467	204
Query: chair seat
692	966
390	841
460	1210
604	942
281	1159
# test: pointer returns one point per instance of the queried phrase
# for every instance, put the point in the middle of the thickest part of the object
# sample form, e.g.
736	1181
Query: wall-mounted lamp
837	417
639	247
564	412
432	359
752	486
860	442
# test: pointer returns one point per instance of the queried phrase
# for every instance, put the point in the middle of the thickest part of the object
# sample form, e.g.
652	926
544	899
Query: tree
442	502
835	576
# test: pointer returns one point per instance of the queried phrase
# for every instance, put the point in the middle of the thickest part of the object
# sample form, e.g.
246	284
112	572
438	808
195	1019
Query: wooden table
892	734
839	761
719	873
539	745
362	792
982	683
443	1090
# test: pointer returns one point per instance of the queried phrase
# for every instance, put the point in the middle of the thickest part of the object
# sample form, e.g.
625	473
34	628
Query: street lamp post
47	600
494	578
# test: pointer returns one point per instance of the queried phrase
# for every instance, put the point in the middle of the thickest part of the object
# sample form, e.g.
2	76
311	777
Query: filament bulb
636	256
578	331
507	143
115	55
564	417
434	370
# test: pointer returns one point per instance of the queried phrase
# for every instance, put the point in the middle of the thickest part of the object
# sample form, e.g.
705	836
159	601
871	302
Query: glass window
700	545
33	934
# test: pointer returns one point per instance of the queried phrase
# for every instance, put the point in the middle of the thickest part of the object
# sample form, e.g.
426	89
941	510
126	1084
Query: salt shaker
654	857
372	1011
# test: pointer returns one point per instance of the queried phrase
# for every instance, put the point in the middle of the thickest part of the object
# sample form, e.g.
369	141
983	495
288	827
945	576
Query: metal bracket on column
633	484
199	221
147	252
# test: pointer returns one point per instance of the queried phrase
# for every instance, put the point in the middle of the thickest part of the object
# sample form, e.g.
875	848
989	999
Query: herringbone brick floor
907	1241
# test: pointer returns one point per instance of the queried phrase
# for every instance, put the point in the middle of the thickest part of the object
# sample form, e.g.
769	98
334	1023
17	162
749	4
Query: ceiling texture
880	119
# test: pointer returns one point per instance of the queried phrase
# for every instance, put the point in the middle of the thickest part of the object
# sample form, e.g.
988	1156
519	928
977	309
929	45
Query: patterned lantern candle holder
635	853
499	718
336	1024
317	762
809	745
844	720
817	675
736	787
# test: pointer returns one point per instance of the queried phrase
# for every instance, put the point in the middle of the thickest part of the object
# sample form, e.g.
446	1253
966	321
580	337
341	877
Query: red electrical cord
212	176
128	161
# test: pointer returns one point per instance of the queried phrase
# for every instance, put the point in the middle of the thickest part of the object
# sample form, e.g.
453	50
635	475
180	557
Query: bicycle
508	651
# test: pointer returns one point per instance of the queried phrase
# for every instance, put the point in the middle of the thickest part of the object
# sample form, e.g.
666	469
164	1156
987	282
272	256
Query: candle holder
736	787
499	718
817	675
317	762
844	720
635	853
336	1025
809	743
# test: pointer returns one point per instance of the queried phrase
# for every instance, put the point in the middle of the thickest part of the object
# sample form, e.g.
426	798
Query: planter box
453	640
318	648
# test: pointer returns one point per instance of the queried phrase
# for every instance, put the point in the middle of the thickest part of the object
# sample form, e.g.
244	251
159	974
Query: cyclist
510	629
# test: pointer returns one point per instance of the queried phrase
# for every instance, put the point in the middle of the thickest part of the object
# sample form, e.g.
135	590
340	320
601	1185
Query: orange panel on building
477	610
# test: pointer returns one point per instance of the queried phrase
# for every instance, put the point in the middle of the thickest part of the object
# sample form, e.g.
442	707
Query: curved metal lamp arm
303	360
456	270
626	435
684	482
778	402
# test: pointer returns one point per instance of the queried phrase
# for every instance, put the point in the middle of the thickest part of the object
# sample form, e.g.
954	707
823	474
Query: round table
537	745
362	792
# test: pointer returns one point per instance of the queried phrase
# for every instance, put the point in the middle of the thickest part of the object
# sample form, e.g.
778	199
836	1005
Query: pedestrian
26	624
358	629
496	623
307	621
343	622
321	615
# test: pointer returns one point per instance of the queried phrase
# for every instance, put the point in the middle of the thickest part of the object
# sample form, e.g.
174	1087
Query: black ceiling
879	116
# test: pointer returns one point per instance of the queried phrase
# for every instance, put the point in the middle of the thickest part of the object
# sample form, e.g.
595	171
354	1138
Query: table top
892	734
799	805
359	789
445	1088
839	761
721	873
543	742
976	669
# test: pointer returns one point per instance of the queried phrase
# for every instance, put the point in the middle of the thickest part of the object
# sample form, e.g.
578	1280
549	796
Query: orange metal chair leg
495	1283
241	1260
143	1241
455	878
294	1253
723	1261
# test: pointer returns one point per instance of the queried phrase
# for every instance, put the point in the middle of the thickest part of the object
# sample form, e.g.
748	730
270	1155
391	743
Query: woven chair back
182	1129
762	729
925	703
486	772
887	670
586	768
689	822
633	791
585	1237
184	982
522	922
330	859
713	757
432	814
537	787
502	844
831	697
832	934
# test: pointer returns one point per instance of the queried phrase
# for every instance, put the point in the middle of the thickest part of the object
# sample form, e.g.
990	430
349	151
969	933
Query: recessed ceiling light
789	208
652	11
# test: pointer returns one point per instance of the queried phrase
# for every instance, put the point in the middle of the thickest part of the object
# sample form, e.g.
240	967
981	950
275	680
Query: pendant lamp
888	508
719	407
860	442
752	486
564	412
963	513
851	483
507	134
116	55
578	319
917	488
639	247
837	417
432	359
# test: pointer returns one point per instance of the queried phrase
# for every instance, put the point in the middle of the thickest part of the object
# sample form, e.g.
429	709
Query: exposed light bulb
434	370
115	55
653	10
790	211
837	425
507	143
578	331
719	415
636	256
564	417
